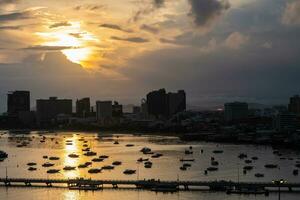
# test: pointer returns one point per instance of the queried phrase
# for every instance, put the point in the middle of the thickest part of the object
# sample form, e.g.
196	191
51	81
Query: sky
216	50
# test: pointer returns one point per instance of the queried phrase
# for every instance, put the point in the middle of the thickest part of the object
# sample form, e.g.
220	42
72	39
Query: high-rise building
83	107
18	101
236	111
176	102
117	110
162	104
286	122
47	110
104	111
294	105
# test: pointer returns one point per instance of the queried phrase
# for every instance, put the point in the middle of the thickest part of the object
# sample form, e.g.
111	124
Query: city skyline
105	49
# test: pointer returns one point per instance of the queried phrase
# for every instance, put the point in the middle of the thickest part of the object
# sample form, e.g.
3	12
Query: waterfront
164	168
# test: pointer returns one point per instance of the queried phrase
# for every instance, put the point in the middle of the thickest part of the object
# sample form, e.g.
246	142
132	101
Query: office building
236	111
83	107
47	110
18	101
176	102
294	105
104	111
286	122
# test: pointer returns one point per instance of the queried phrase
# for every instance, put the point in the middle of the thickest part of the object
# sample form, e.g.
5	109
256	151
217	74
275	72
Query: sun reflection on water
73	162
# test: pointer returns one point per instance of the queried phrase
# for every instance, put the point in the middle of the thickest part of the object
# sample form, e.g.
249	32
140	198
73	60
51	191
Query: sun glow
75	41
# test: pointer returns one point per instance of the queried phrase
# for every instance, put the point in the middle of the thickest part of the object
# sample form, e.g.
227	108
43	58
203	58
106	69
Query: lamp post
279	183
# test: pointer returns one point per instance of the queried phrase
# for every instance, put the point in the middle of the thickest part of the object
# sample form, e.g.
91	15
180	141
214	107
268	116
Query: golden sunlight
77	42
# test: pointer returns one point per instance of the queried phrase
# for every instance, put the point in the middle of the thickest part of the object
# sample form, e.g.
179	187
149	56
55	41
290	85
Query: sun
74	40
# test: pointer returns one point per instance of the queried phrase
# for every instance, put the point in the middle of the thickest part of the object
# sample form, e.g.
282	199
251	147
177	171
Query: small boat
94	171
214	163
271	166
156	155
97	159
90	153
295	172
88	163
187	160
212	158
129	171
85	145
254	158
298	165
108	167
31	164
183	168
142	159
148	164
129	145
86	149
53	171
116	142
218	151
187	152
32	169
248	161
248	167
84	187
104	156
68	168
69	143
117	163
145	150
45	157
73	155
212	169
53	158
187	165
259	175
242	156
47	164
82	166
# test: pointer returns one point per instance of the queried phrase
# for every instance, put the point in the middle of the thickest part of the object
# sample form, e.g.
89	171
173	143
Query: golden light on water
73	162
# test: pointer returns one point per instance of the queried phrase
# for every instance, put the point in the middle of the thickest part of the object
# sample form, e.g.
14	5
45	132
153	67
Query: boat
259	175
104	156
116	163
97	159
295	172
86	149
271	166
84	187
186	160
129	145
3	155
108	167
45	157
88	163
142	159
129	171
212	169
242	156
214	163
69	143
187	152
94	171
31	164
157	155
298	165
90	153
82	166
186	165
248	167
148	164
53	158
254	158
145	150
32	169
68	168
248	161
73	155
53	171
218	151
116	142
47	164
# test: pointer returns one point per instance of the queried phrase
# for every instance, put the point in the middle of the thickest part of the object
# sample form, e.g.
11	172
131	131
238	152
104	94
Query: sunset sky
217	50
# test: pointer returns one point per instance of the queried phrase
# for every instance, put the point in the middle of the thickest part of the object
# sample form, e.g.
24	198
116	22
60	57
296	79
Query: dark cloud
15	16
89	7
60	24
10	27
48	48
205	12
149	28
115	27
131	39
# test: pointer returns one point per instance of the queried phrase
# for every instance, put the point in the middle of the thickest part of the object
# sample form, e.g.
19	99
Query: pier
91	184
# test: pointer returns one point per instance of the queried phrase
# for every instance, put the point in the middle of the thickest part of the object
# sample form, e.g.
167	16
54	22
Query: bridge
81	183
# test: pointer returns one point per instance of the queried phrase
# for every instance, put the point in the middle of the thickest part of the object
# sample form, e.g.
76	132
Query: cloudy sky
217	50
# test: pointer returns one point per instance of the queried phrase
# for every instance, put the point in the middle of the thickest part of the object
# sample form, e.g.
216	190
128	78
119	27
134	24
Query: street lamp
279	183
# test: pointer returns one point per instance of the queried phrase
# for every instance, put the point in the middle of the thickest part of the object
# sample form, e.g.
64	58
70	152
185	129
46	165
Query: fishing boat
97	159
73	155
117	163
31	164
53	171
90	153
108	167
69	168
53	158
32	169
129	171
129	145
94	171
104	156
148	164
47	164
